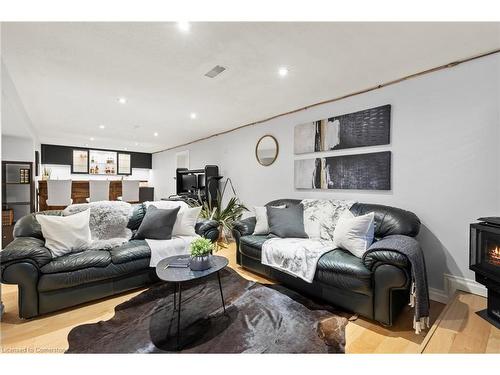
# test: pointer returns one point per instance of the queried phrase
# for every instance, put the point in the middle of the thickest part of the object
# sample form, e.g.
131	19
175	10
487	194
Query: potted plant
201	250
46	173
225	215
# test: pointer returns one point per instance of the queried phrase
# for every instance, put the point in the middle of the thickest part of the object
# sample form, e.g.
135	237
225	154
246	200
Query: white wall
445	157
63	172
19	139
17	148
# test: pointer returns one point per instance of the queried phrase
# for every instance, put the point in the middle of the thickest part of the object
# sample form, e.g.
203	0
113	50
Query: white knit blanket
161	249
295	256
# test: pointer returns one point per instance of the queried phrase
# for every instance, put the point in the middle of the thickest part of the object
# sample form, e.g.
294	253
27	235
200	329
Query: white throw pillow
65	234
354	233
262	225
186	221
167	204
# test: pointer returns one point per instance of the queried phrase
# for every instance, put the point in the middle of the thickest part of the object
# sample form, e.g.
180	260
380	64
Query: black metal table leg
175	297
221	295
179	319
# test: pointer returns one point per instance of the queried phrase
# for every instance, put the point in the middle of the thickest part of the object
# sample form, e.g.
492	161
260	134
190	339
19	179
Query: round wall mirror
266	150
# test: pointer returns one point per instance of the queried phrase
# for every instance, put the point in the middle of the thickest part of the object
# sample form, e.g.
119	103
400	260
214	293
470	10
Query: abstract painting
371	171
370	127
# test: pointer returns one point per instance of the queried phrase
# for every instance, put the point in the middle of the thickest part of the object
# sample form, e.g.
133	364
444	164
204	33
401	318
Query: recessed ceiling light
91	138
283	71
125	148
137	143
101	126
156	134
184	26
122	100
193	115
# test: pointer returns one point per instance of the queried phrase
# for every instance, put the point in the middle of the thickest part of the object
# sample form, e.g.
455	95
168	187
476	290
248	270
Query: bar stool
59	193
98	191
130	191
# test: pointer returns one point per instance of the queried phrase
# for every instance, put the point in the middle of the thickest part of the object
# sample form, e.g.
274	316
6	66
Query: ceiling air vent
215	71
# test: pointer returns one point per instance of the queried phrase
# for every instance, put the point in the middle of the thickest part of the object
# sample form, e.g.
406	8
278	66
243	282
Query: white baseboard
438	295
452	284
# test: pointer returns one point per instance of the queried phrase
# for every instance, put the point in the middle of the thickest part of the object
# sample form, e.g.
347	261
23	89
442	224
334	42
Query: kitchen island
80	191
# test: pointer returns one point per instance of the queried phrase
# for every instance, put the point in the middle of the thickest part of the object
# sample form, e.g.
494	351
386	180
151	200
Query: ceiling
70	75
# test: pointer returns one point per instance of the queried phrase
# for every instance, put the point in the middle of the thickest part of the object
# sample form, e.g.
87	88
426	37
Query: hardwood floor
460	330
48	333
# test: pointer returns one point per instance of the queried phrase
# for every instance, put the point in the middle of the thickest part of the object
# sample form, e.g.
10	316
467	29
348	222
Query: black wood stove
485	262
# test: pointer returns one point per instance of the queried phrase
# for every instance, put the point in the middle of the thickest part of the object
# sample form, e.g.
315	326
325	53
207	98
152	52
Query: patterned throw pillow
321	216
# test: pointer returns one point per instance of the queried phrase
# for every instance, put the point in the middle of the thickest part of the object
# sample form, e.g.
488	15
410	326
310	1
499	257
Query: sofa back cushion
28	226
138	213
388	220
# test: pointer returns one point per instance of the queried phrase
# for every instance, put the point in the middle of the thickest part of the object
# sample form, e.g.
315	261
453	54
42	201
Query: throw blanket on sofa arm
108	222
419	294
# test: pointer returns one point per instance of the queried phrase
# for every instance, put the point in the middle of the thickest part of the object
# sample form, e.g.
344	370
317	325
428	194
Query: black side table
180	275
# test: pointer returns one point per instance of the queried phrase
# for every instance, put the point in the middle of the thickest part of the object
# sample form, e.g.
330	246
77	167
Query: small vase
200	263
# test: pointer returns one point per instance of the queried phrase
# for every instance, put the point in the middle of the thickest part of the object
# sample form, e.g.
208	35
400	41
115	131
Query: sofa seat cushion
251	246
132	250
337	268
77	261
62	280
341	269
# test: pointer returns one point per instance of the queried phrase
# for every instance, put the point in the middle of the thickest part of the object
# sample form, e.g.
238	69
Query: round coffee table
179	275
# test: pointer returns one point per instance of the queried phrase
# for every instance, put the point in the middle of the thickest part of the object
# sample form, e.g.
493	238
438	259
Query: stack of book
181	262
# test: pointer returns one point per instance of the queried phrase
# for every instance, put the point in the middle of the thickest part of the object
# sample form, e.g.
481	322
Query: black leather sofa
376	287
46	285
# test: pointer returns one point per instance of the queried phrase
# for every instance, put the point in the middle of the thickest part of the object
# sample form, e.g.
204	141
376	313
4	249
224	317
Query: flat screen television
189	182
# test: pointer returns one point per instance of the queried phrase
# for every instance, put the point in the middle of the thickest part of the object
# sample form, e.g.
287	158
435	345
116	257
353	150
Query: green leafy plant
226	215
201	247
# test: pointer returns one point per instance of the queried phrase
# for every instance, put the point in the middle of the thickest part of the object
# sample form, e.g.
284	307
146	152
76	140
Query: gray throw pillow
287	222
157	224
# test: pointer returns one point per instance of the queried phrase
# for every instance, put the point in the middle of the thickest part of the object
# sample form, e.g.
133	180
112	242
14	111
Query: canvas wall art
370	127
371	171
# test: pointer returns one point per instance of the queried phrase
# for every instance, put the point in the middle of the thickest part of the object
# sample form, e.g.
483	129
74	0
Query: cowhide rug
258	319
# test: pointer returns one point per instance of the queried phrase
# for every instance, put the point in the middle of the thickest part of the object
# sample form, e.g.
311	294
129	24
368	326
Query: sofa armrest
244	227
25	275
28	226
208	229
25	249
378	255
